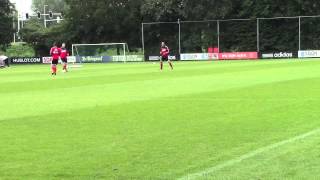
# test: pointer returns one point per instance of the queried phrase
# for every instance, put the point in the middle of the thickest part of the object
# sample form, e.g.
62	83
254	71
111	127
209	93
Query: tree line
6	23
98	21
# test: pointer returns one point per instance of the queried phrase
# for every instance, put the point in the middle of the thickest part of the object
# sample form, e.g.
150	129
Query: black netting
238	35
154	34
310	33
286	38
275	35
197	37
99	50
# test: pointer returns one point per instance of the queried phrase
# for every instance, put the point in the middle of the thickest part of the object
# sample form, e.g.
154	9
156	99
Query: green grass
130	121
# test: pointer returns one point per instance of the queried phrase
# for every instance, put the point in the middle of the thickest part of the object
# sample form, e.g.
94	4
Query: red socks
54	69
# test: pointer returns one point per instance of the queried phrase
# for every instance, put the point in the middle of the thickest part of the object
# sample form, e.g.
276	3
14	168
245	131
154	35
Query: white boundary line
251	154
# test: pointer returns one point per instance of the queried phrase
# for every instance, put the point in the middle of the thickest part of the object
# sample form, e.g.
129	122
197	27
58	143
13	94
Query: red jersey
164	52
55	52
64	53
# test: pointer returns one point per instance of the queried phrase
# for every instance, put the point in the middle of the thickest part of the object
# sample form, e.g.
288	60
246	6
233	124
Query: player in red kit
55	54
64	57
164	52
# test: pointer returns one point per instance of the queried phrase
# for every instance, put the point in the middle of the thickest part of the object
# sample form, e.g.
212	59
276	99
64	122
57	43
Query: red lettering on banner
238	56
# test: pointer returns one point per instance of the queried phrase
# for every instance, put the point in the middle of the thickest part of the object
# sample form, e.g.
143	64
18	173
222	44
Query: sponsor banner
309	54
47	60
128	58
93	59
106	59
238	55
154	58
26	60
90	59
198	56
278	55
72	59
266	56
157	58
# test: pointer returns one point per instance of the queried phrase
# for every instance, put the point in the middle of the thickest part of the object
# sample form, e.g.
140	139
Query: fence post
142	37
258	34
218	32
299	33
179	23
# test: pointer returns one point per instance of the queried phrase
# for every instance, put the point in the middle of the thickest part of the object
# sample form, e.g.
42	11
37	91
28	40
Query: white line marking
251	154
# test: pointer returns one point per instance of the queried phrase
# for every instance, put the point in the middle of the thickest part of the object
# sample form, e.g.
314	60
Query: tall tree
209	9
6	23
97	21
282	34
195	37
104	21
42	38
39	37
53	5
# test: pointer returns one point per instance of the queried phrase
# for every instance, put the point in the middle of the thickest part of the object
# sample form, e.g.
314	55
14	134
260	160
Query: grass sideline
130	121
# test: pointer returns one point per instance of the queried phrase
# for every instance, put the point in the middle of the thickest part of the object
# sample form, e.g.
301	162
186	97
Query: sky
23	6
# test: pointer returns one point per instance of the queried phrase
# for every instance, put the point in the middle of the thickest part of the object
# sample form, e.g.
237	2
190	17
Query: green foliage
20	50
100	21
6	21
275	35
56	6
104	21
42	38
152	10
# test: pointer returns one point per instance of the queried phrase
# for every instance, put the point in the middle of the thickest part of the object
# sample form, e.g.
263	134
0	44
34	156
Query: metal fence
232	35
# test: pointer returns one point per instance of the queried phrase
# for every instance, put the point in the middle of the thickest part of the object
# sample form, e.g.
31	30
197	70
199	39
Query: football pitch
204	120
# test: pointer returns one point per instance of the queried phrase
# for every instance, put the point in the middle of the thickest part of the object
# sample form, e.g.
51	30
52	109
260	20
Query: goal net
104	52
